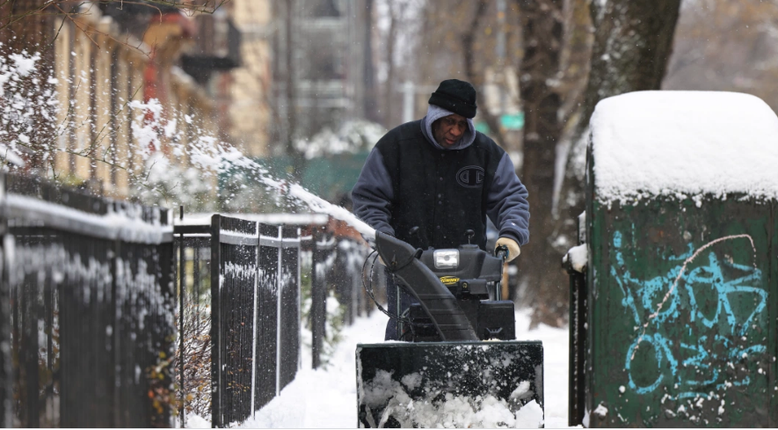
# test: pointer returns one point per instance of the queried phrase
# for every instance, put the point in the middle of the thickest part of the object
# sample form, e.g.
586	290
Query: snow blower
462	366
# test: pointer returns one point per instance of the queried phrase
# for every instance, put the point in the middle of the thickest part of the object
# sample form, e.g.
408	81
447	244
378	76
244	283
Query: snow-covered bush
168	184
168	158
352	136
197	365
28	106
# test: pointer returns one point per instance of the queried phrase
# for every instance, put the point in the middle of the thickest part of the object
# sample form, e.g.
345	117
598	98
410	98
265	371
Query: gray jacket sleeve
373	193
507	204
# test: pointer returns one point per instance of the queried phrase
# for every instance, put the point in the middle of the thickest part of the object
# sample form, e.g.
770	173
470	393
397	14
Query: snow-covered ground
327	398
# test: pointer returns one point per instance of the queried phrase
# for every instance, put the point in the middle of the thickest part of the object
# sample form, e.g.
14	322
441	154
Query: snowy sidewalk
327	398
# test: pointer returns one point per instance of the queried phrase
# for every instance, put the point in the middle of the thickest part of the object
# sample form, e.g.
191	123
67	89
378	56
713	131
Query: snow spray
157	139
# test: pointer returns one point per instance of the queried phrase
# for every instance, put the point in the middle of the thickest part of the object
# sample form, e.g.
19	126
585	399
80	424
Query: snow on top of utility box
685	144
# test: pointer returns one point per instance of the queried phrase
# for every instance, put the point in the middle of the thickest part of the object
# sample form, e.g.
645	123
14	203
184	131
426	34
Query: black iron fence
87	305
337	264
240	292
89	309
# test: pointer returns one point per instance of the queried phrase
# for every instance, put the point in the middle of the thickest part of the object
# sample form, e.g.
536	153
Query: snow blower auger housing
463	367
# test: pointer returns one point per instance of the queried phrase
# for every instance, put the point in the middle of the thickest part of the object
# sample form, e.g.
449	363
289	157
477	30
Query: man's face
449	129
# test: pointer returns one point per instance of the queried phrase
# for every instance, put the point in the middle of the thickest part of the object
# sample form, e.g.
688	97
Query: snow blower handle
501	252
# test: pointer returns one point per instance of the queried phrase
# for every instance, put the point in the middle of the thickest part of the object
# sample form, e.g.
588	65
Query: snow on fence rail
87	306
240	292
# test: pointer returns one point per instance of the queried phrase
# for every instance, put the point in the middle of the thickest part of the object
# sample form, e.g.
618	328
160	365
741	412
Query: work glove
512	245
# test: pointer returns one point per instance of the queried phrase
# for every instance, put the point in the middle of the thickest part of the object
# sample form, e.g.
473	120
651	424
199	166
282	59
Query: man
443	176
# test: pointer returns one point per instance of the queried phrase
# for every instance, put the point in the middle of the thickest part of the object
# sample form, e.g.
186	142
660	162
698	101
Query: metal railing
92	291
252	315
336	267
87	303
240	291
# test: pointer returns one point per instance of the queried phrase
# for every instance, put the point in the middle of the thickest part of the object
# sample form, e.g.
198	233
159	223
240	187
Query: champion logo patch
471	176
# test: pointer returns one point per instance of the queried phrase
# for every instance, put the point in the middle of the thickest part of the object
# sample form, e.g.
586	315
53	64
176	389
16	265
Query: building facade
108	61
322	66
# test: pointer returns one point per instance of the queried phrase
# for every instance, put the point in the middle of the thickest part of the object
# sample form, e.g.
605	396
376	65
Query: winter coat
410	181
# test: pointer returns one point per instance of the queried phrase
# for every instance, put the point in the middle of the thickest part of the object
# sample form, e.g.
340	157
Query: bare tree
396	12
471	57
543	30
575	66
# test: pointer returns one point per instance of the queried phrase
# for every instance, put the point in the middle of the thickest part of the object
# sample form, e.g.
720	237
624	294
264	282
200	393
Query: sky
327	398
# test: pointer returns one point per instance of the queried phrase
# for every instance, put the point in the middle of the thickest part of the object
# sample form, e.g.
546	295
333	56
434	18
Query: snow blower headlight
446	258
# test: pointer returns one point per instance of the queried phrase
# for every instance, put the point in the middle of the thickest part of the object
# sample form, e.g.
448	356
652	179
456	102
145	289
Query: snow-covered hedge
352	136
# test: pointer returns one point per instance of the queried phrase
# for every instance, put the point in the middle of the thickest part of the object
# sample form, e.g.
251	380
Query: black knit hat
455	96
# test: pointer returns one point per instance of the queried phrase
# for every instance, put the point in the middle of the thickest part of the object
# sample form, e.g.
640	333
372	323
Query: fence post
6	375
216	388
29	356
254	323
267	342
115	338
289	317
577	338
299	303
181	293
280	289
318	299
356	293
352	279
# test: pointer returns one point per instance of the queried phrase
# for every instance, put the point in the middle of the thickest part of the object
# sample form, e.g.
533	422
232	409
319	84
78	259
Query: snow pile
578	256
453	411
684	144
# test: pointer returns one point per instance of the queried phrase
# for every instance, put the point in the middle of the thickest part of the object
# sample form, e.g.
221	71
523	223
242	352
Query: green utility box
680	298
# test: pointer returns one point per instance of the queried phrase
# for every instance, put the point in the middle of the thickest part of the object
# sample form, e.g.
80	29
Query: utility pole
291	96
410	91
500	51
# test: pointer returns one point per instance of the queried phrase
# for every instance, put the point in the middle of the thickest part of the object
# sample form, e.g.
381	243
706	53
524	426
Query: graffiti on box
721	306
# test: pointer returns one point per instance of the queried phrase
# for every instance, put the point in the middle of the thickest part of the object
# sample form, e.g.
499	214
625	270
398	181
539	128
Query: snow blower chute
462	366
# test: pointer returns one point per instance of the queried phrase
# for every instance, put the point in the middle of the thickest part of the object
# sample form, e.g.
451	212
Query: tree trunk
540	265
470	56
632	45
468	41
576	58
